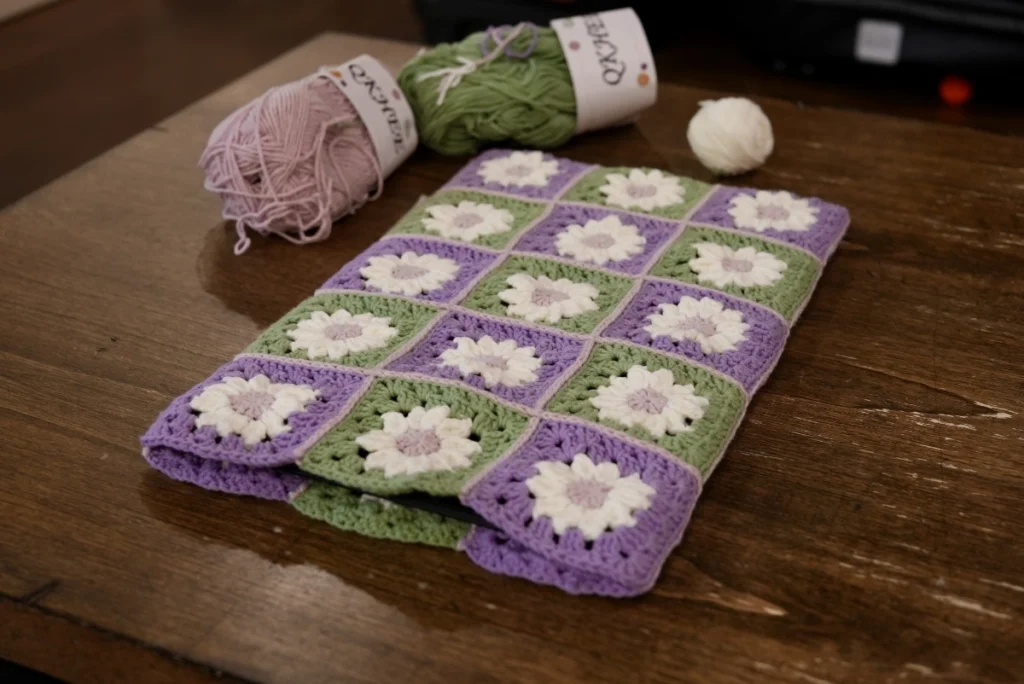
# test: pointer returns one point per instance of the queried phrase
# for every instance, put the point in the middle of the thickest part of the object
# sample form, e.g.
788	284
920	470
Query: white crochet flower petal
519	169
254	409
592	498
650	400
642	190
421	441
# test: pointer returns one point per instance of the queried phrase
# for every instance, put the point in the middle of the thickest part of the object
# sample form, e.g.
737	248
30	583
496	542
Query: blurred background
79	76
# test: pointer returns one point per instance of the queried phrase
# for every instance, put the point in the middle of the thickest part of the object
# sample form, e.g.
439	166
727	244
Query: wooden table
865	526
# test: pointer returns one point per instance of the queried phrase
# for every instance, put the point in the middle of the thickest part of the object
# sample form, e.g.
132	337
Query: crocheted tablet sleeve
538	365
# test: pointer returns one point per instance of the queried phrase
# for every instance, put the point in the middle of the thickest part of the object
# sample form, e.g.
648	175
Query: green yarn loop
529	101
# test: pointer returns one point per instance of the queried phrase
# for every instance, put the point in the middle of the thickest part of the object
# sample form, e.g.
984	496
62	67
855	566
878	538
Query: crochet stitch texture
567	349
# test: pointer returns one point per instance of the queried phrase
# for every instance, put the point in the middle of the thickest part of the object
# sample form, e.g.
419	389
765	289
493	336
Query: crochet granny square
539	365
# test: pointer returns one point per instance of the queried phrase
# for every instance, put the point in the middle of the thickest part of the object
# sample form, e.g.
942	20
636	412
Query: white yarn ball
730	136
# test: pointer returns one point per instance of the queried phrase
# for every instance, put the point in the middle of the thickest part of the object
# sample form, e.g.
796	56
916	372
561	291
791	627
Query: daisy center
415	442
772	212
589	494
466	220
494	361
251	404
599	241
737	265
519	170
647	401
408	271
342	331
641	191
544	296
700	325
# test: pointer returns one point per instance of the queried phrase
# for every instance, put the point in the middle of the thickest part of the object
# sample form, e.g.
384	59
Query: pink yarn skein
291	162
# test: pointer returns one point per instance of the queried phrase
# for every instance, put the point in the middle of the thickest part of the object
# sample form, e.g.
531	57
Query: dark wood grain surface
865	525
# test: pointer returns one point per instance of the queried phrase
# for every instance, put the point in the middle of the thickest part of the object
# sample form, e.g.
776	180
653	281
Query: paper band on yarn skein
611	67
383	109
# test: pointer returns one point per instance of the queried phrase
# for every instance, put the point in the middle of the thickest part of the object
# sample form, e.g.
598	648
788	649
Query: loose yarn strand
291	162
452	76
493	34
509	83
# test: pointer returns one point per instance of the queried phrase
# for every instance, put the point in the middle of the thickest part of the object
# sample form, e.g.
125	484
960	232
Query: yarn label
382	107
611	67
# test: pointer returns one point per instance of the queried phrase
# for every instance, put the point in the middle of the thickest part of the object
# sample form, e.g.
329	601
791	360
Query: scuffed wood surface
865	526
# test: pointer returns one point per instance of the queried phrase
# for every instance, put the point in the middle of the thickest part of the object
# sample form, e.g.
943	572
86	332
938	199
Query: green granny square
766	272
319	329
373	517
692	414
531	293
641	190
461	432
472	217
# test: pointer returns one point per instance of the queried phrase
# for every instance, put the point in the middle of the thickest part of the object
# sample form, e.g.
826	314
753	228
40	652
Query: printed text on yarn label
611	66
382	107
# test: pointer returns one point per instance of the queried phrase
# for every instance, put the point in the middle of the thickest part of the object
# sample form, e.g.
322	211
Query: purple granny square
755	348
543	237
810	223
556	353
470	263
221	476
628	556
176	426
528	174
495	552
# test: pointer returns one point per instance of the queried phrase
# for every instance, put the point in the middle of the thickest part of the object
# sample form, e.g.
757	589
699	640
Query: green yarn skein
527	100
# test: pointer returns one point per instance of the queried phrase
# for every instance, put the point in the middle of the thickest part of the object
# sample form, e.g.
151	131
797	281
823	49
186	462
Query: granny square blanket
539	365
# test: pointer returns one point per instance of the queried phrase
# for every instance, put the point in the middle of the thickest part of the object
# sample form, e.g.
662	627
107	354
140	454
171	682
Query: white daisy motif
645	190
774	210
467	221
721	265
592	498
543	299
600	241
498	363
256	409
519	169
705	321
340	333
419	442
410	274
650	400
